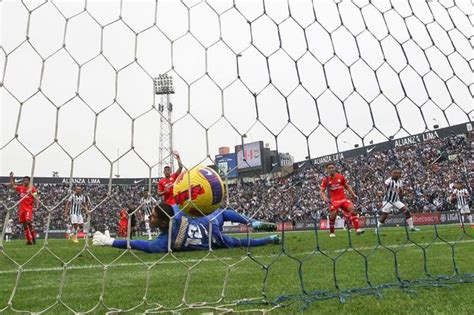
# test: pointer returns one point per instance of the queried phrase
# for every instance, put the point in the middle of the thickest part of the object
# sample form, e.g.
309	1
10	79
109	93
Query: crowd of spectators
428	170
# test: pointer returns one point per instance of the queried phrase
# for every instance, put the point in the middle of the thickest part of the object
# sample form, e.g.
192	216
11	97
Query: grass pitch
196	277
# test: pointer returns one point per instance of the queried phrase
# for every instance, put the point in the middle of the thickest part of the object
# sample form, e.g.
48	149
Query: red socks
355	221
28	235
332	222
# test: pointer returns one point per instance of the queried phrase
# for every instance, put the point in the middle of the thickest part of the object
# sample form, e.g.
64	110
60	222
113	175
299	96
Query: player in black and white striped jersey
75	204
148	203
461	195
391	200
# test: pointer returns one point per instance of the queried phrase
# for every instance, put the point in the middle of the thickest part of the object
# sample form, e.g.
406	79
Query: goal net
288	85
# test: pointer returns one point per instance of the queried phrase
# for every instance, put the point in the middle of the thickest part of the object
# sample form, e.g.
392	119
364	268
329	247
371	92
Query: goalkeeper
191	233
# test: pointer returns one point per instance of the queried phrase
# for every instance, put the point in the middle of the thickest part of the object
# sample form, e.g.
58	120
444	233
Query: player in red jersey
165	185
28	202
123	223
334	185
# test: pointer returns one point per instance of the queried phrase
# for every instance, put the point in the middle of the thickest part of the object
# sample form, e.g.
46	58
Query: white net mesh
310	78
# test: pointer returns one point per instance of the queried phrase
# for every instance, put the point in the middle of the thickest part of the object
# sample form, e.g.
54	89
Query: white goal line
96	266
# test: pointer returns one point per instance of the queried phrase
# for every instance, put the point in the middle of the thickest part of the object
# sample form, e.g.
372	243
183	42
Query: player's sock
332	221
33	234
470	218
410	222
85	229
355	221
379	226
27	232
148	230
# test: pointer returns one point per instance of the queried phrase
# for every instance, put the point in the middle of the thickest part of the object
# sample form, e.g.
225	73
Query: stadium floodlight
163	86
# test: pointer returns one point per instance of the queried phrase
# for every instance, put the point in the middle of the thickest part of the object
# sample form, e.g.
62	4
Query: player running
391	200
28	202
148	203
189	233
73	209
165	185
332	192
461	194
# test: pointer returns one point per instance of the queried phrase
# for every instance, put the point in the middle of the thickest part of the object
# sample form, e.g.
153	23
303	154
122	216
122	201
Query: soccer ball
205	187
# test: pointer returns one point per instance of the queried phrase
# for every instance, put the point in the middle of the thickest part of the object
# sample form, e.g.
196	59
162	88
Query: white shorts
8	230
465	209
77	219
388	207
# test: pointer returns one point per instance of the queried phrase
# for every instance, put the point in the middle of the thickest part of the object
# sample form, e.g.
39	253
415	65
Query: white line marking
209	259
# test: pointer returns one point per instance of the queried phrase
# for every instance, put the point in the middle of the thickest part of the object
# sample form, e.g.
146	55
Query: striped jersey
393	187
462	196
78	202
147	205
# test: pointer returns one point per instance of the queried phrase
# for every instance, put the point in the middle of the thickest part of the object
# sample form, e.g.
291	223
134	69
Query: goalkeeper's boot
74	239
360	231
332	234
263	226
414	229
275	239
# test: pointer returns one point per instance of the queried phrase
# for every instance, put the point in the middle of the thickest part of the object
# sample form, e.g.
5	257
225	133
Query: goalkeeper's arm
159	245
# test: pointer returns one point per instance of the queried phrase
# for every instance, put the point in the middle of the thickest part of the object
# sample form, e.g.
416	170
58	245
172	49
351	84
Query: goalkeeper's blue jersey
191	233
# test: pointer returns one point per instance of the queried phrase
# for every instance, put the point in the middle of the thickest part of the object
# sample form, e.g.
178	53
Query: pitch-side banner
84	181
368	222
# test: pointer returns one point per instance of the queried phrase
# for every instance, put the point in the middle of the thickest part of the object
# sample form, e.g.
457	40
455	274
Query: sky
308	78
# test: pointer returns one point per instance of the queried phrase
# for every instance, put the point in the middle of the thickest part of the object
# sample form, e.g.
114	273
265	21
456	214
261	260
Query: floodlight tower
163	85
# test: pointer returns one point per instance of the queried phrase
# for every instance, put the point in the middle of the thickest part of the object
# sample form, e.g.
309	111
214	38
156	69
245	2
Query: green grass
200	276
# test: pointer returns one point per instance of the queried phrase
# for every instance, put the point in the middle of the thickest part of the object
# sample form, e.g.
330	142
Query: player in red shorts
334	185
28	202
165	185
123	223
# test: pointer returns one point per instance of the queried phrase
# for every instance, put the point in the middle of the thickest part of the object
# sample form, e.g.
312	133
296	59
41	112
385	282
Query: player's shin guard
332	222
470	218
355	221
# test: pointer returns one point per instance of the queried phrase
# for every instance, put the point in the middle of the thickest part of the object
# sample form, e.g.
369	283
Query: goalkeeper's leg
233	216
250	242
